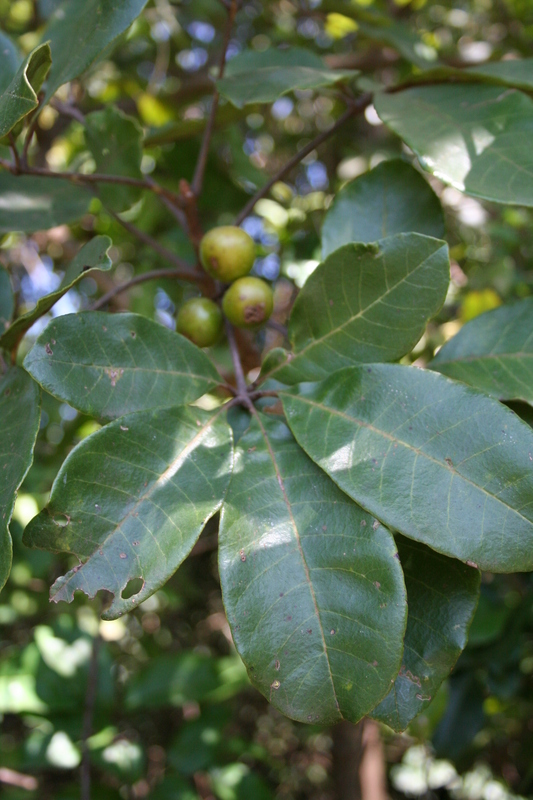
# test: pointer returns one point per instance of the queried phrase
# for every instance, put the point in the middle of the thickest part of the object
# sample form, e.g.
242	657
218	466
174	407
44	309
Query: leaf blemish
123	555
48	349
114	375
242	555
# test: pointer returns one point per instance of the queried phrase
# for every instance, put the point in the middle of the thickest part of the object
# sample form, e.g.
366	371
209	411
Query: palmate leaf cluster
359	504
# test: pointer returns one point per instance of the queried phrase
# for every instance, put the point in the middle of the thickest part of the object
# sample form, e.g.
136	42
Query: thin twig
199	172
90	700
179	274
277	326
358	107
12	778
174	209
16	166
68	110
237	365
178	262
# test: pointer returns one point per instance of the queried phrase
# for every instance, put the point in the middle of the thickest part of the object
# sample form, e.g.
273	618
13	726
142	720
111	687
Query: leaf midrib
129	369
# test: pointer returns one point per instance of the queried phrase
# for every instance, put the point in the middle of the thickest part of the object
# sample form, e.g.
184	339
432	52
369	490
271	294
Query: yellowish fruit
227	253
248	303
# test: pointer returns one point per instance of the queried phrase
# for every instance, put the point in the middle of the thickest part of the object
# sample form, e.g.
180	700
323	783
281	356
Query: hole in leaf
132	587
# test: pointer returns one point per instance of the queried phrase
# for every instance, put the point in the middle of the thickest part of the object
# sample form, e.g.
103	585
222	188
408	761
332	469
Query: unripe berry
201	321
248	303
227	253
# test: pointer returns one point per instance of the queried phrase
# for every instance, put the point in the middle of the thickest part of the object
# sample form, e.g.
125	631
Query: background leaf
473	137
494	353
33	203
92	255
108	365
114	141
389	199
20	97
442	595
10	60
264	77
433	459
19	422
7	300
131	500
366	303
77	40
312	590
516	73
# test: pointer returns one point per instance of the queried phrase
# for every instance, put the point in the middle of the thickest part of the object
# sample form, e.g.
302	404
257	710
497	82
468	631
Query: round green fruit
227	253
201	321
248	303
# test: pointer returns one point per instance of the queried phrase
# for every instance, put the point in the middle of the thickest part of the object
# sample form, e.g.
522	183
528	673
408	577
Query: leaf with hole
131	500
91	256
263	77
493	353
108	365
77	40
435	460
442	595
389	199
20	96
313	592
366	303
20	413
474	137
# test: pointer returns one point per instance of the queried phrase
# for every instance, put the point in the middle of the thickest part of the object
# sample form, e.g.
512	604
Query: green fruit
227	253
248	303
201	321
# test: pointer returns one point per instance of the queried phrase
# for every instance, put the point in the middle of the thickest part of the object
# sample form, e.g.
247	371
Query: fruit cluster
227	254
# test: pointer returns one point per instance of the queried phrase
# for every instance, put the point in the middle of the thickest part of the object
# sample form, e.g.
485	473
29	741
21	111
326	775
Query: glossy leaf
474	137
433	459
494	353
19	422
442	595
20	96
91	256
114	141
10	60
7	301
131	500
77	40
31	203
366	303
263	77
392	198
313	592
108	365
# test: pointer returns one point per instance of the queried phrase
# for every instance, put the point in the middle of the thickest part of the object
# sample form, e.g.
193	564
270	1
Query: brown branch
12	778
90	700
199	171
67	110
358	107
179	274
178	262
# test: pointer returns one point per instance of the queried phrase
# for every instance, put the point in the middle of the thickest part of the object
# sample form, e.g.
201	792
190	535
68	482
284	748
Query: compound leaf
108	365
131	500
366	303
392	198
471	136
435	460
20	413
442	595
313	591
93	255
494	353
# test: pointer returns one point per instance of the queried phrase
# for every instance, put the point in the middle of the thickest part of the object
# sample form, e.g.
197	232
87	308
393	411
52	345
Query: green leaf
473	137
108	365
402	38
92	255
10	60
442	596
7	300
174	679
433	459
392	198
114	141
32	203
77	40
20	413
263	77
131	500
494	353
313	592
366	303
20	97
518	74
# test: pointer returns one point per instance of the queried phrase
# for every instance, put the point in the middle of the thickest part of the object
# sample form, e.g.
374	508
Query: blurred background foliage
174	715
